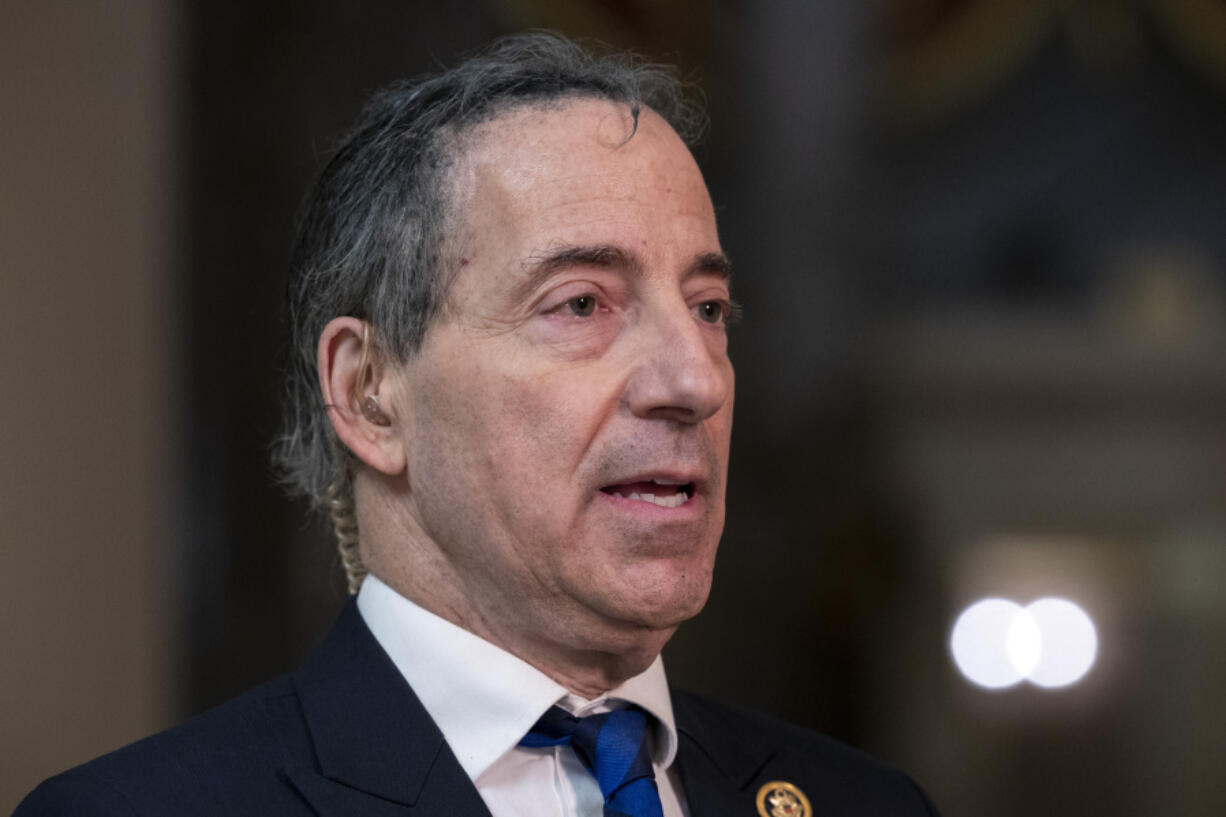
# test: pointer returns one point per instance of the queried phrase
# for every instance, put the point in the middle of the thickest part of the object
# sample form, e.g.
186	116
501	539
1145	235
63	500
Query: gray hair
371	234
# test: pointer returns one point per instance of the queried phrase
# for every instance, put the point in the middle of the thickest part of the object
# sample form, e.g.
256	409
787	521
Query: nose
681	370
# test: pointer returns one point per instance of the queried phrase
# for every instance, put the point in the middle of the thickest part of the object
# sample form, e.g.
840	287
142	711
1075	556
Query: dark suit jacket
345	736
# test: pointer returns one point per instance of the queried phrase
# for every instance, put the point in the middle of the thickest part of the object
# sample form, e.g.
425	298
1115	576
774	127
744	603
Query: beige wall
87	281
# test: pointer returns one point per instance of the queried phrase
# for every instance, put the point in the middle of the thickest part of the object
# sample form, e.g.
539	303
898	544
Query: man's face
567	420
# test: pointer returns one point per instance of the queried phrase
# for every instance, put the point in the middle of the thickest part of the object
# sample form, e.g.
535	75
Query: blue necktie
613	747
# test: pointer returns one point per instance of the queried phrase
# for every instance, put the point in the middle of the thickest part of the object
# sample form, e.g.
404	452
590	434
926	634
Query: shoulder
75	792
754	749
224	761
708	720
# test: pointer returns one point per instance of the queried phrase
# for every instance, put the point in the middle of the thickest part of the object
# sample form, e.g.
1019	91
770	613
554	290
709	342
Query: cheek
538	435
508	441
455	427
538	459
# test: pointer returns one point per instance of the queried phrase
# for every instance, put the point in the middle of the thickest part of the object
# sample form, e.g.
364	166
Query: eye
712	311
583	306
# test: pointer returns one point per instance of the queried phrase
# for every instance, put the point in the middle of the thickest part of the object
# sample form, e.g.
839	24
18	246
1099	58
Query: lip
691	507
678	476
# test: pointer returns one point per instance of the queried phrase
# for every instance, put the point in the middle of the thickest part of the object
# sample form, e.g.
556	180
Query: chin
631	597
679	601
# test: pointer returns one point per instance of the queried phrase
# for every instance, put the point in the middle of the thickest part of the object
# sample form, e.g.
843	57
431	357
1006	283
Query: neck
586	666
585	671
583	651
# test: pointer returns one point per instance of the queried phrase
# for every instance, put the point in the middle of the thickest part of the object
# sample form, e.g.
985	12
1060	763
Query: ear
351	373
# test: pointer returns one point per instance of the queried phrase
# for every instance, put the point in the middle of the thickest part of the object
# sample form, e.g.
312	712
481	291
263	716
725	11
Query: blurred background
982	252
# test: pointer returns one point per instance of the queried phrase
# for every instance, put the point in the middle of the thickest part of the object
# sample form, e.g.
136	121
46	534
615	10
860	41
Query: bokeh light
997	643
980	643
1069	642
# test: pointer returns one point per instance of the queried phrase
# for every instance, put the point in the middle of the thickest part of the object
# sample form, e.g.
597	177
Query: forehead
537	137
579	172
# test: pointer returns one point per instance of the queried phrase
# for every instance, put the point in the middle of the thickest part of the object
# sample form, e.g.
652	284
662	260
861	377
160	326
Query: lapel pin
780	799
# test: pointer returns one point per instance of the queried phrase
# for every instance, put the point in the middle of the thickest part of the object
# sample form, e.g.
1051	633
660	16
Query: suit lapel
718	763
377	748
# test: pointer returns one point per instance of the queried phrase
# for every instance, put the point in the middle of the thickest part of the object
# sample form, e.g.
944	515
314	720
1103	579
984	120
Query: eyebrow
712	263
607	256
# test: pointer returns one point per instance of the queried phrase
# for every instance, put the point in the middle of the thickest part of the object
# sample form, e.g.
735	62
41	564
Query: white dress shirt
484	699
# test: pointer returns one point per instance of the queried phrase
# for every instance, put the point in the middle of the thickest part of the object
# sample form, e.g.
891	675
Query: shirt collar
483	698
648	690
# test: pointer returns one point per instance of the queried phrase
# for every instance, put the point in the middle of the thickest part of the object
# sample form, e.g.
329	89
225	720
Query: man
512	391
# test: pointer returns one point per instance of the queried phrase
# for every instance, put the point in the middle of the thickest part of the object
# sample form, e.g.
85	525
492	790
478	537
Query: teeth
662	481
670	501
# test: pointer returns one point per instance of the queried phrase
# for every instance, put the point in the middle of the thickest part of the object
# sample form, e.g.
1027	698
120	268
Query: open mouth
658	491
